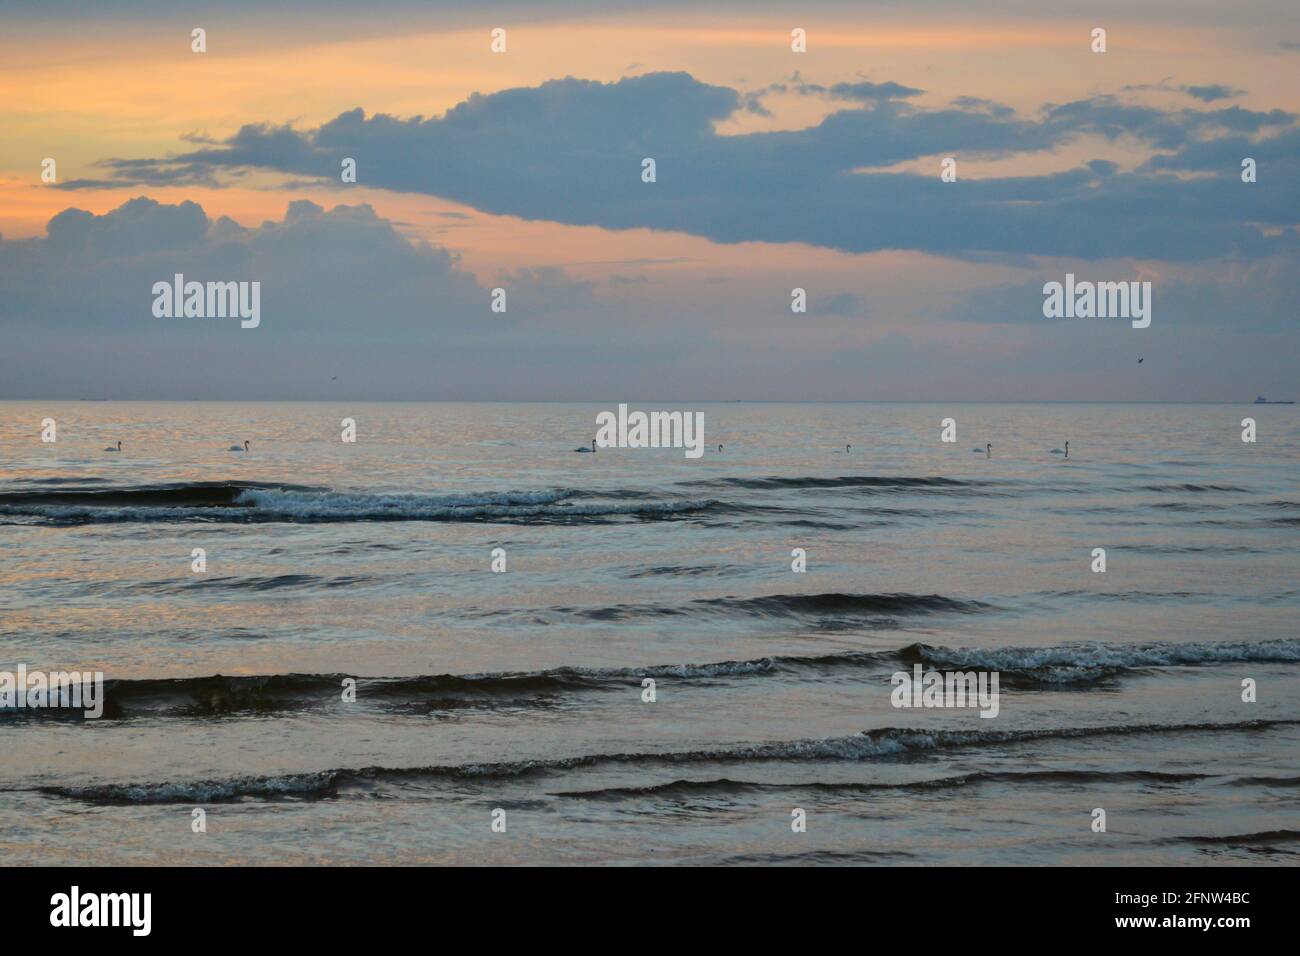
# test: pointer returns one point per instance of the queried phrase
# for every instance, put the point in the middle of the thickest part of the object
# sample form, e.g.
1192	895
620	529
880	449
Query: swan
988	451
592	449
244	447
848	449
1057	451
719	449
111	448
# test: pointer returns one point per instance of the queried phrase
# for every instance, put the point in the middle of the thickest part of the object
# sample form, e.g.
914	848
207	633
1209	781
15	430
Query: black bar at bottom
300	904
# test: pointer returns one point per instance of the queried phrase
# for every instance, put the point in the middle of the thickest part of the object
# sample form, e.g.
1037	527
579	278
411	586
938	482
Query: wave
725	786
252	502
1267	782
682	570
880	485
816	858
1090	662
1248	524
1129	596
868	745
893	741
219	695
198	494
1223	549
831	609
210	791
1183	506
1073	664
233	695
254	583
1243	839
1194	488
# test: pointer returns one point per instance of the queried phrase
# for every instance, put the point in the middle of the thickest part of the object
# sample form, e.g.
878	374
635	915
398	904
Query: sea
457	640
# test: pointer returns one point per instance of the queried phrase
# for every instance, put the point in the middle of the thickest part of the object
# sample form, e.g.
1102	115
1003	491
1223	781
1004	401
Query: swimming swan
111	448
238	448
592	449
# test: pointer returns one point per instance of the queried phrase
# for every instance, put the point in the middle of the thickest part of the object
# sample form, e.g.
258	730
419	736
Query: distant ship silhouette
1264	401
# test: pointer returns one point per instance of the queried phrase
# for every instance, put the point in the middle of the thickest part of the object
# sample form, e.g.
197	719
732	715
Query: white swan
111	448
244	447
1057	451
592	449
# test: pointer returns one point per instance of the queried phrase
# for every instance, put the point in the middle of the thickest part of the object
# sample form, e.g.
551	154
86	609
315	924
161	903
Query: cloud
1212	92
340	289
862	91
1207	93
978	104
1247	299
570	151
345	295
843	303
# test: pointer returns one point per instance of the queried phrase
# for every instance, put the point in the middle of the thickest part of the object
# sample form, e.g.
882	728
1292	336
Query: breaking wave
1067	665
250	502
869	745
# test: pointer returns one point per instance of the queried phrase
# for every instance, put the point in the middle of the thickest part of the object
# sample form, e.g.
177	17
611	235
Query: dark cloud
1276	154
570	151
1215	91
862	92
1249	299
1207	93
147	172
340	288
344	294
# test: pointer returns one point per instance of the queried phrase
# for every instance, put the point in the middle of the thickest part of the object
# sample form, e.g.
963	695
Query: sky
775	170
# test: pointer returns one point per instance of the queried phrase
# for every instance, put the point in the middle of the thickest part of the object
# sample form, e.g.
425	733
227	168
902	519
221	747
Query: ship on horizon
1261	400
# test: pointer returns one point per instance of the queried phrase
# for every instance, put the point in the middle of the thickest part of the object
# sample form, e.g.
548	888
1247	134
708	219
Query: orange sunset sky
83	85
